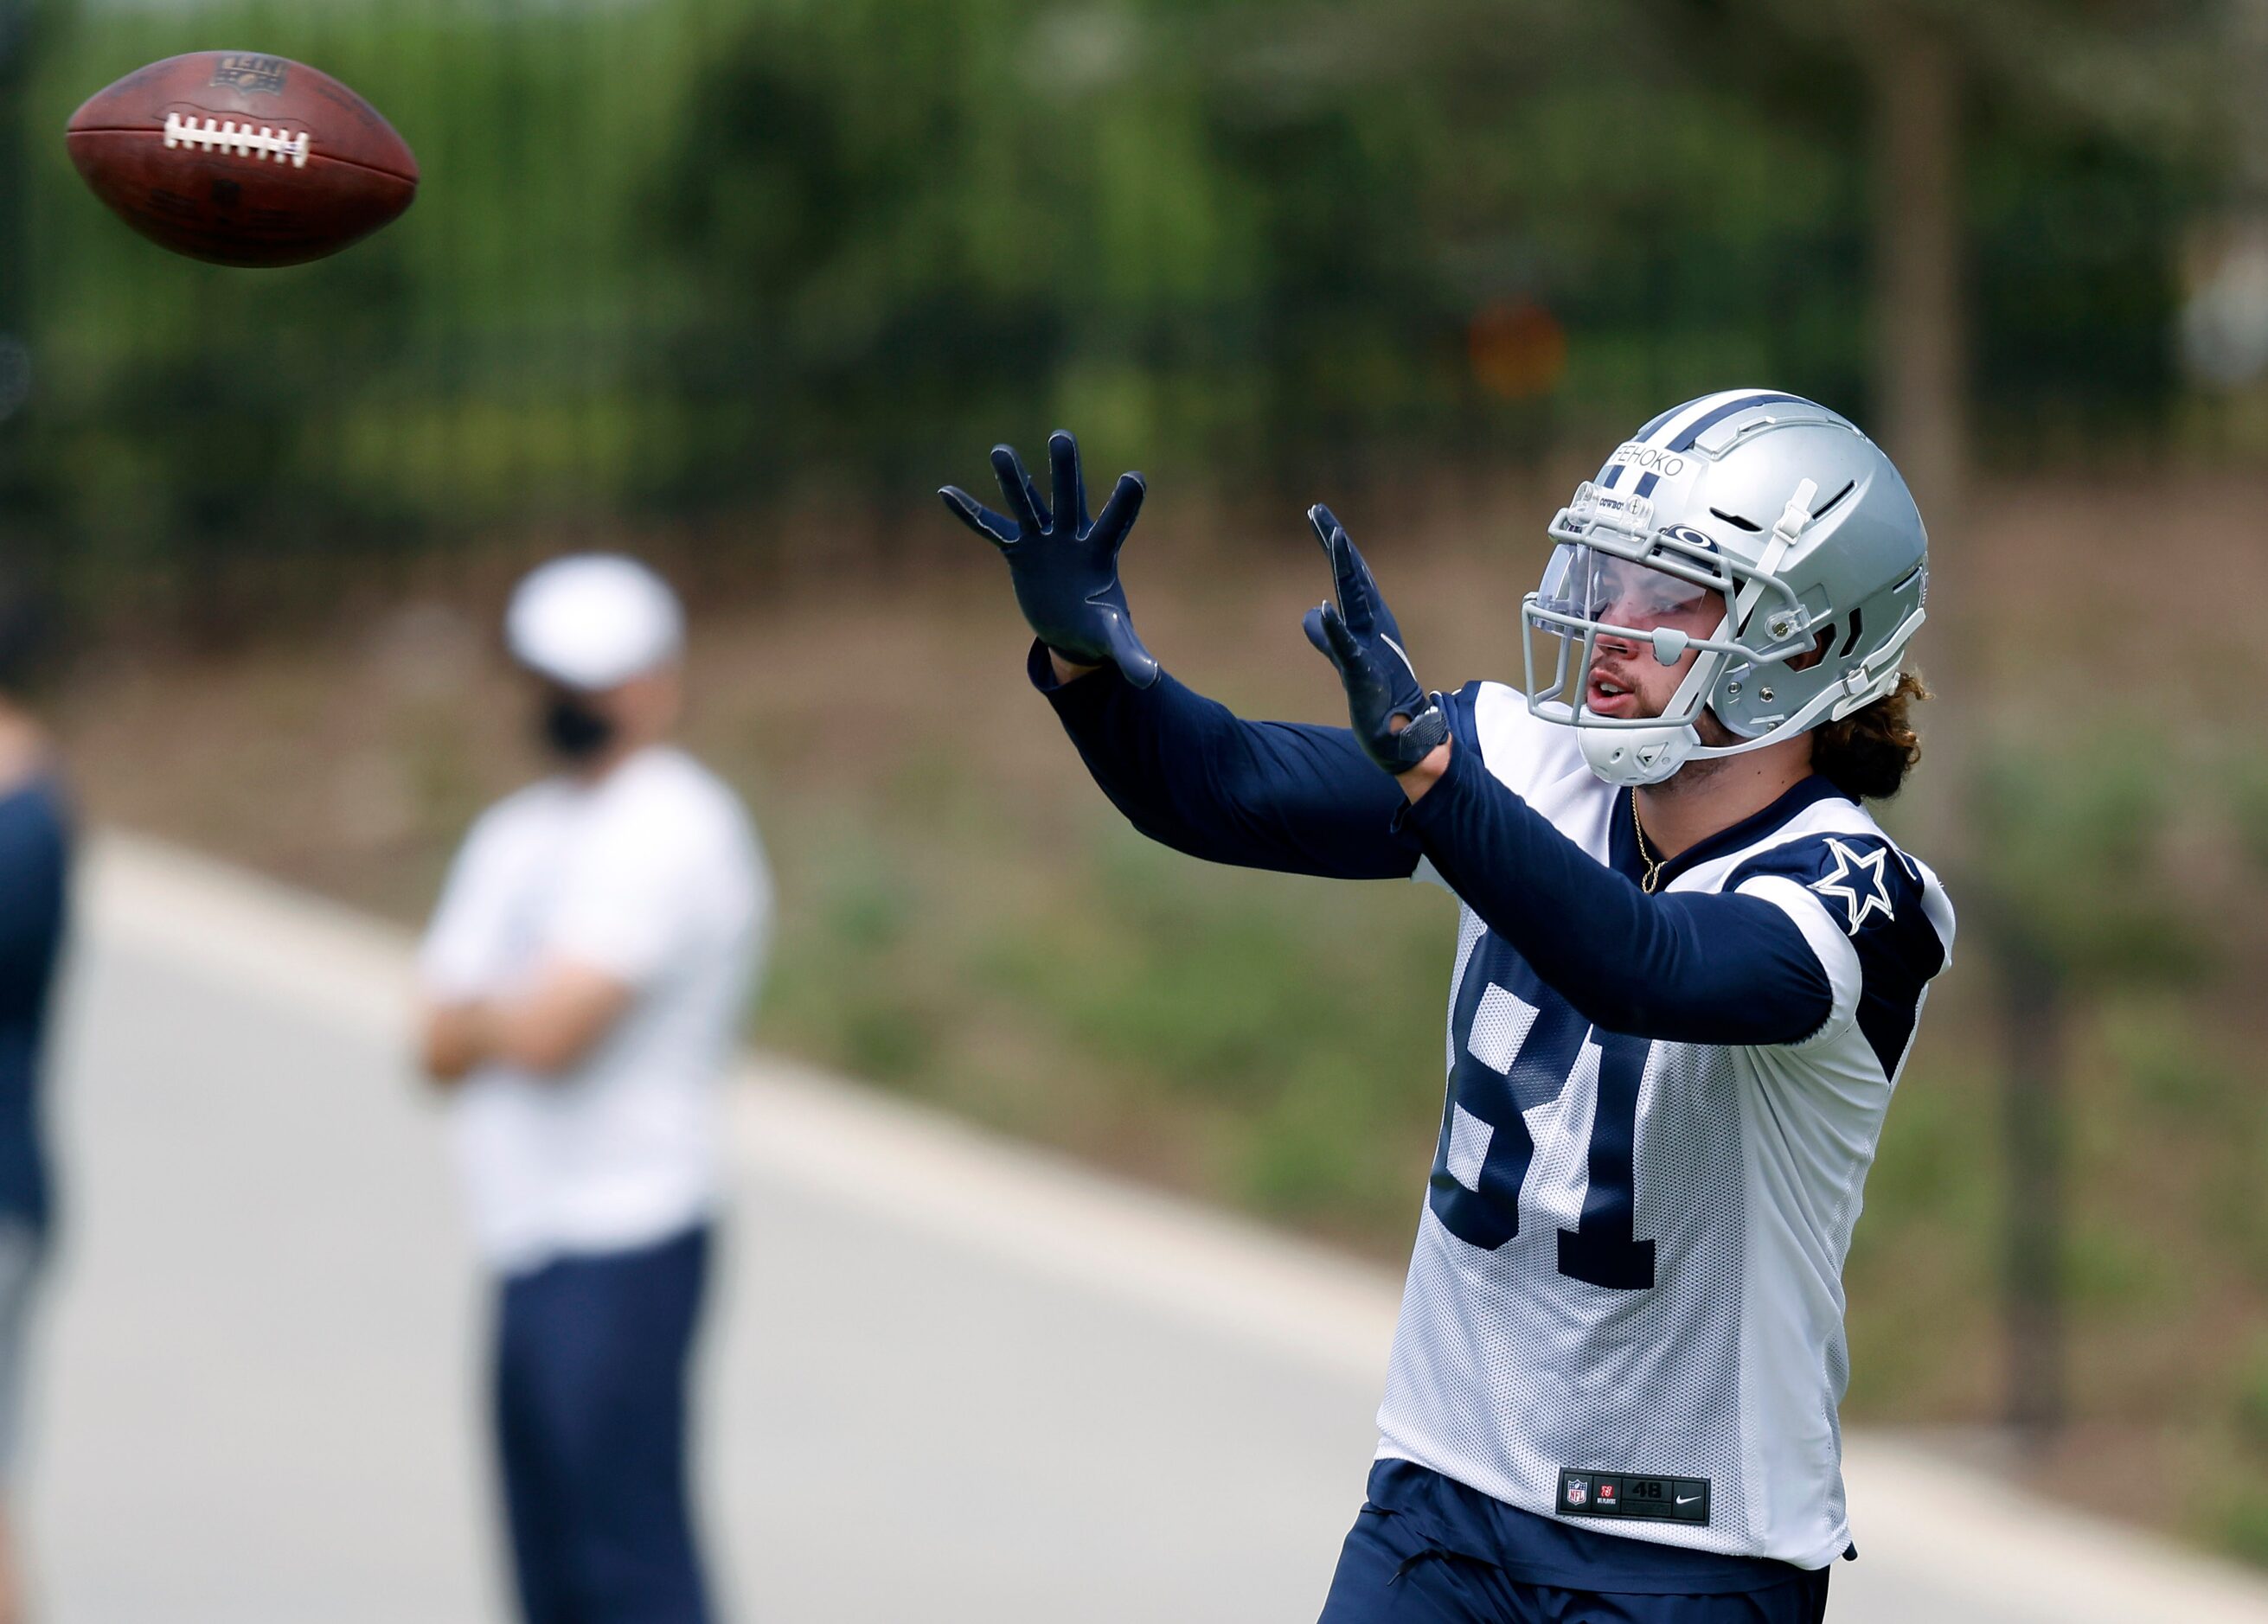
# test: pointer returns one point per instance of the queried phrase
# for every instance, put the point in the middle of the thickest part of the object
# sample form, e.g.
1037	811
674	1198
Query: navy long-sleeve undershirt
1190	774
1297	798
1690	966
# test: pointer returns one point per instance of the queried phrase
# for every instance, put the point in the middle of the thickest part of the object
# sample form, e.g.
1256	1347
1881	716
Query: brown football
242	160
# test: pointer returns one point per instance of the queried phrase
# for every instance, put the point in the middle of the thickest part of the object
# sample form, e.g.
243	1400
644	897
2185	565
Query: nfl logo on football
252	75
1578	1490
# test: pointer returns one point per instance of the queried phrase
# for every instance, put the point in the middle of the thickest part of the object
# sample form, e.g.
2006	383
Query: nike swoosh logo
1687	1499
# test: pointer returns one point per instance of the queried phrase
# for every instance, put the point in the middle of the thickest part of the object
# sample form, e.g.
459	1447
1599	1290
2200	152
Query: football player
1688	969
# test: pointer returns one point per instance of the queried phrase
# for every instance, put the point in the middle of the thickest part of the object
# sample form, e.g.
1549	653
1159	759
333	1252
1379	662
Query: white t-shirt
654	875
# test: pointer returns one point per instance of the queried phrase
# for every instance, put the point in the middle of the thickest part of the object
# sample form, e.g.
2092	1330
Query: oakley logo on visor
1690	537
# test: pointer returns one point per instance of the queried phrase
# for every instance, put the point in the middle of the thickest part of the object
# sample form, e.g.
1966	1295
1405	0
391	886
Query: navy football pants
592	1357
1391	1572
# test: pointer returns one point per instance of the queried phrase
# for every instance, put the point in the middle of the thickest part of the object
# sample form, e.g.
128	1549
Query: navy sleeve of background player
1190	774
34	868
1690	968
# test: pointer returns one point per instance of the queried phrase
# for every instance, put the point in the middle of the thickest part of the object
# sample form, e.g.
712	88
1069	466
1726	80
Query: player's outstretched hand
1064	566
1398	722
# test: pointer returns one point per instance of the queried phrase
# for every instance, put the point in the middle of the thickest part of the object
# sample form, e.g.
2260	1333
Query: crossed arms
545	1030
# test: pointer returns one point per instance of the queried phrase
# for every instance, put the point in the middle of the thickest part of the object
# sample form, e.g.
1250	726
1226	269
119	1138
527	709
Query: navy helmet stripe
1614	476
1684	440
1709	420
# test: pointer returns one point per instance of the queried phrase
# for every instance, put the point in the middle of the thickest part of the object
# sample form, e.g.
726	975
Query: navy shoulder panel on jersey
1876	894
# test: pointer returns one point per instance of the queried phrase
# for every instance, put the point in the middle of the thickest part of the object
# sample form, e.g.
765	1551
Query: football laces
246	140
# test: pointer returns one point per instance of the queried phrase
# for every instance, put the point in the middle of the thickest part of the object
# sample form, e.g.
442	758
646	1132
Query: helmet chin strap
1633	757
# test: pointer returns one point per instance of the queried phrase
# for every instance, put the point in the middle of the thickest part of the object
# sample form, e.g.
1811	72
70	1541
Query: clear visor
1593	604
1583	584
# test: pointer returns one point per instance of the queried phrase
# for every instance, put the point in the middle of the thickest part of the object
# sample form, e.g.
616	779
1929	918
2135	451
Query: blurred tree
2081	894
16	40
2027	160
1269	230
1264	230
1918	87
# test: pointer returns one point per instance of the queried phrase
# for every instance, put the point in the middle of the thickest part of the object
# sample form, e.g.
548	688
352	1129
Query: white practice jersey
1626	1297
654	876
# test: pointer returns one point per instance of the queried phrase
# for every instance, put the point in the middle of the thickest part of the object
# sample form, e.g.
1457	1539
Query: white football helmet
1765	506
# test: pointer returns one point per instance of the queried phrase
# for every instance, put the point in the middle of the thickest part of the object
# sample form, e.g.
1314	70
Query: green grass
1254	1035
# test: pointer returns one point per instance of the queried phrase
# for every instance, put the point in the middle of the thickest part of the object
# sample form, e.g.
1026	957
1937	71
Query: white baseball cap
593	621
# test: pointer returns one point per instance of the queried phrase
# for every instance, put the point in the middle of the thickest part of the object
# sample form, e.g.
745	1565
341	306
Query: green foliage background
675	259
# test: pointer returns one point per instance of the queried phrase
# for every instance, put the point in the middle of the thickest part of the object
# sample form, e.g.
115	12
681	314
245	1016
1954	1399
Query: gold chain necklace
1653	864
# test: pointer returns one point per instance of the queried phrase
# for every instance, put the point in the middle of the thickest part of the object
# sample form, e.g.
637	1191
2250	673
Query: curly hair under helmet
1869	753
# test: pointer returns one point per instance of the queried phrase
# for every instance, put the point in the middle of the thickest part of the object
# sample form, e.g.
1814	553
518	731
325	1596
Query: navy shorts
592	1360
1427	1550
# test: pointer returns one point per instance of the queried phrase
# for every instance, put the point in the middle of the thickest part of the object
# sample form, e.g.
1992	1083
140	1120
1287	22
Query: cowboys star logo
1859	881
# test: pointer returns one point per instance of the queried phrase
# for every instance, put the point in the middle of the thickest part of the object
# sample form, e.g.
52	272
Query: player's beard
1713	734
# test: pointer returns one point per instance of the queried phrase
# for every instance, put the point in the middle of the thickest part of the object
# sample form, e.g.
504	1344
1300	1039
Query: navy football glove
1064	569
1357	634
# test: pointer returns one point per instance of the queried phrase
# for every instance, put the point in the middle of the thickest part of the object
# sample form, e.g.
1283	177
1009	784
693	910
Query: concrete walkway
954	1379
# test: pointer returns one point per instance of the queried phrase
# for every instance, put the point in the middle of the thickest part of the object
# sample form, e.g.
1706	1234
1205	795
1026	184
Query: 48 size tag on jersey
1633	1494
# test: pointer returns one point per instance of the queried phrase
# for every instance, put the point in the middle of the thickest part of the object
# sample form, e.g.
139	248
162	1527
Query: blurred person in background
35	853
584	976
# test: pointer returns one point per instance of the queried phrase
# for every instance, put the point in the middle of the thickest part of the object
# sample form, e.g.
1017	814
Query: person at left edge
36	838
584	976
